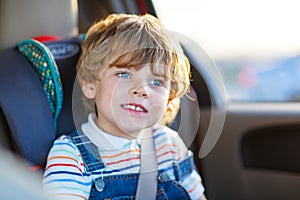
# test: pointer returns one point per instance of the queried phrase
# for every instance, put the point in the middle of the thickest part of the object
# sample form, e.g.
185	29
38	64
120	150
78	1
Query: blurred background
255	44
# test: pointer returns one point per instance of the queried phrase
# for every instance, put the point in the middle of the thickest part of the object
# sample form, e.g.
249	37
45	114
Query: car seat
25	106
26	120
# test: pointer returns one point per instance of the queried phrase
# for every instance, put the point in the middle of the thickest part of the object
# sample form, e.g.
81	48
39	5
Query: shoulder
64	174
64	142
164	134
64	151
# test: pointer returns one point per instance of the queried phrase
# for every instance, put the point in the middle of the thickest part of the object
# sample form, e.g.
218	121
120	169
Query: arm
193	182
64	177
203	197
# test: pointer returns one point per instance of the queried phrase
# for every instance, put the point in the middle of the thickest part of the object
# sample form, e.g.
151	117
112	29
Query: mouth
135	108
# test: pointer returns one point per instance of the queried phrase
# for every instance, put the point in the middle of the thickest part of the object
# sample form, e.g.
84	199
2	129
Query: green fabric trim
46	69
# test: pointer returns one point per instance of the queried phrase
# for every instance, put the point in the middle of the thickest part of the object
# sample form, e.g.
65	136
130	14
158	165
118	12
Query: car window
254	43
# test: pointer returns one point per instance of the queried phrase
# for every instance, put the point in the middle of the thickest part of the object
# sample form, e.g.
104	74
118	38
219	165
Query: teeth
126	106
132	107
139	109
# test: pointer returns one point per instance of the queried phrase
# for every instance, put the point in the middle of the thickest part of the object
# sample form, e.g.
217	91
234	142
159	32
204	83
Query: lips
135	107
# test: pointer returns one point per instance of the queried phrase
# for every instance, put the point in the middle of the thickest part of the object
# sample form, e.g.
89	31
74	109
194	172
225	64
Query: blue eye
124	75
156	82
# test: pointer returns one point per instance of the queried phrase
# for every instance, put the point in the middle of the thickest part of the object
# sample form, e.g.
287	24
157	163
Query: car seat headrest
46	69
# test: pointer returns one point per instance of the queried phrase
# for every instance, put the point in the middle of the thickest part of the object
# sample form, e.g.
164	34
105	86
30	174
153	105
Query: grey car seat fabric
22	97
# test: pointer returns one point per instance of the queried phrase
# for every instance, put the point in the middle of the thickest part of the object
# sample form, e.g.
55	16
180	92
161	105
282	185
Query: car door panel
242	165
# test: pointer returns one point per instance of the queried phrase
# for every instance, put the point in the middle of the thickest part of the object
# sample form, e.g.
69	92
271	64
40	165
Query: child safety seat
36	83
28	124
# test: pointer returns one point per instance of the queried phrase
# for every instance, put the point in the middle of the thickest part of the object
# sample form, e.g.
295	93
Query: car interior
242	150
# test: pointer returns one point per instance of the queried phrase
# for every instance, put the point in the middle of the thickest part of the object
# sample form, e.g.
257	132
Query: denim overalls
121	187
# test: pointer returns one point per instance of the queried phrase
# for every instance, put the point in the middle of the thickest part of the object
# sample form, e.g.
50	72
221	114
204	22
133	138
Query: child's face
128	100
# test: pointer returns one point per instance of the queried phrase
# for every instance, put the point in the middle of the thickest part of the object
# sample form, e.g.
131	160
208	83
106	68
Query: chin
133	128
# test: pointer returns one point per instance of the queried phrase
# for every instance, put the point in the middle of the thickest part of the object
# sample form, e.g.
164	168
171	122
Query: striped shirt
65	176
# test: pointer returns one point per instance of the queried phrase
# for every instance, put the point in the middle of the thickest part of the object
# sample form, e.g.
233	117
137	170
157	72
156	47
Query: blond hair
124	40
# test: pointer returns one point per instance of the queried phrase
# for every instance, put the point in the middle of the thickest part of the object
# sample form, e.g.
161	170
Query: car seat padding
25	107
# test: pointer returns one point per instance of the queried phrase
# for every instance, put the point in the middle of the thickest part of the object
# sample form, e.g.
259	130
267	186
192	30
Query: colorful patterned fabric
46	69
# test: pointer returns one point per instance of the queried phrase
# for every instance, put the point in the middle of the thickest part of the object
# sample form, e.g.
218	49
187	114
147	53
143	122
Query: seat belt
147	183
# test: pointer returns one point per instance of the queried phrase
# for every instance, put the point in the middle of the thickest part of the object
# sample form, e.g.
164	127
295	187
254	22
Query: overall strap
179	170
89	152
184	168
147	184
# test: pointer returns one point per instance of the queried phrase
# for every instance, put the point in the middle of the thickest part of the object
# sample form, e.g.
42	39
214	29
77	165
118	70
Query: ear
88	89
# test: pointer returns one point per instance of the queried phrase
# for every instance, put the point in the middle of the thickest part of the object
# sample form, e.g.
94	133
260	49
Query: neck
116	131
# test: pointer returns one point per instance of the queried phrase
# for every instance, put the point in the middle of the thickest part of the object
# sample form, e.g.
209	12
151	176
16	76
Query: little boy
132	74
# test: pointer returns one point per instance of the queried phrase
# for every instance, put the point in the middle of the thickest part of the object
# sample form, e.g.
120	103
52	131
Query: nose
141	91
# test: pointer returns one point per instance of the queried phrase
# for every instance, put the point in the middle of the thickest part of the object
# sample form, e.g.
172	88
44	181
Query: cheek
161	97
111	96
159	103
107	87
104	96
